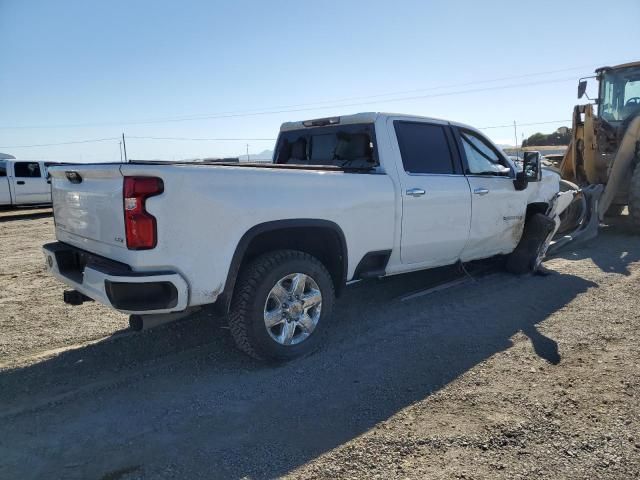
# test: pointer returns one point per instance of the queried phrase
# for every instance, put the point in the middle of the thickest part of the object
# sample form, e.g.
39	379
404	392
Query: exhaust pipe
138	323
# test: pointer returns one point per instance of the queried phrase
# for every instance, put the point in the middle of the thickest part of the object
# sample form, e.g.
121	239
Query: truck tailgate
87	205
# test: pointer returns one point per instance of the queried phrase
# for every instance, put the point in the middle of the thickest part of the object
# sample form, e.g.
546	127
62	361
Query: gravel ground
504	377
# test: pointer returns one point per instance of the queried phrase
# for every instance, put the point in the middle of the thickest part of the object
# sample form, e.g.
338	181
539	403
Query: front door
436	202
498	209
30	184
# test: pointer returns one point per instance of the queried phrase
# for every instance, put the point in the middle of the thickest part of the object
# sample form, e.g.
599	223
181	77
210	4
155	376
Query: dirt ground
501	377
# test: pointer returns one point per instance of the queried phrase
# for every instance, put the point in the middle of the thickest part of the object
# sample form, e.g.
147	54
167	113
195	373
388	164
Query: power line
235	139
336	103
205	139
61	143
524	124
347	99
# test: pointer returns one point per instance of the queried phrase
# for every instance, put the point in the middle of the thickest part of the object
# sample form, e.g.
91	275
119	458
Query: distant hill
265	155
562	136
6	156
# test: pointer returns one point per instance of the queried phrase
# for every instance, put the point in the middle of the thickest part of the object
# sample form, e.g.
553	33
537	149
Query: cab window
424	148
482	158
27	169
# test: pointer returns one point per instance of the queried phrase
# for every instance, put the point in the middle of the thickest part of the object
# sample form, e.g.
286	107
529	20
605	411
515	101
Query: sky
76	70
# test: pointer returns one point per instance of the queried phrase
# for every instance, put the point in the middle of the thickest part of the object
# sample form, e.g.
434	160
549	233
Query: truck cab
24	182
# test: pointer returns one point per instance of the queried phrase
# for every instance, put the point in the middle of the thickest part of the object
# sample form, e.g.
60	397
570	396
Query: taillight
140	225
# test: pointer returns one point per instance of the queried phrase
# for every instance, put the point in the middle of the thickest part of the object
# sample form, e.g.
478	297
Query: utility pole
247	152
120	144
124	145
515	134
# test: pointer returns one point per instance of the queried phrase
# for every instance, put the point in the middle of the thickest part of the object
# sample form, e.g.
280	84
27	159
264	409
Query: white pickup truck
24	182
345	198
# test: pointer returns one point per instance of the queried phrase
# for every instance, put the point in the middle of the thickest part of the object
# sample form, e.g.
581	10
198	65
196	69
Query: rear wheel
281	307
634	199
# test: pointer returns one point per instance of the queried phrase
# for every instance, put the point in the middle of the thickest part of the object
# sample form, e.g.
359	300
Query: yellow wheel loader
605	149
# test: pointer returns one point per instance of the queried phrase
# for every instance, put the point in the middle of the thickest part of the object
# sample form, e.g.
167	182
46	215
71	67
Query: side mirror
582	88
532	166
531	170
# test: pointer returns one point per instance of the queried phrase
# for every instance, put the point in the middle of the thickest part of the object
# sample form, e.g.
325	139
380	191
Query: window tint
27	169
482	159
424	148
323	148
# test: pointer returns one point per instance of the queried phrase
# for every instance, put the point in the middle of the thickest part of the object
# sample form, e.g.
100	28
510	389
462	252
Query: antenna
124	145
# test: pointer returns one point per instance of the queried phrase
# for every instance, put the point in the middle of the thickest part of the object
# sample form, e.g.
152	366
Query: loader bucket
585	208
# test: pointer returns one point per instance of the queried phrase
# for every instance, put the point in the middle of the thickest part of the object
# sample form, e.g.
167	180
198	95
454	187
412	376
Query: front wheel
281	306
530	251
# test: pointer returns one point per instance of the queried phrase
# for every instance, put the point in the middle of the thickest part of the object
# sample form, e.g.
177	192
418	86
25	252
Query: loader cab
619	93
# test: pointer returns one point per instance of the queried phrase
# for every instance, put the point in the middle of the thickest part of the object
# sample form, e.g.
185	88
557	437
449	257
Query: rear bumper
115	284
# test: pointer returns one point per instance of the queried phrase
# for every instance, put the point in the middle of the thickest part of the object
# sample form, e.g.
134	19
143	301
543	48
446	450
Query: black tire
523	258
634	199
246	319
614	211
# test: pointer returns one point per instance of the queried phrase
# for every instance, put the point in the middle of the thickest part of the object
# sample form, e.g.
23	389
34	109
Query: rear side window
424	148
338	145
3	170
27	169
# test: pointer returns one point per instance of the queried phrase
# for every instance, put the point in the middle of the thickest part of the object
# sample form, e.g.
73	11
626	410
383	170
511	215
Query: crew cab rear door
497	208
436	201
30	184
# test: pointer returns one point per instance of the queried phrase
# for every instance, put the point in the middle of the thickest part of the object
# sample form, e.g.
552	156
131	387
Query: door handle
20	182
415	192
481	191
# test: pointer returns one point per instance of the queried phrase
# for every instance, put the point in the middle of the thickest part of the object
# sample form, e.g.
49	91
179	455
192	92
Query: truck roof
364	117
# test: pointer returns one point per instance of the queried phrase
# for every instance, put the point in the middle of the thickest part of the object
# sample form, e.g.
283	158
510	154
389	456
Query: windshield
620	94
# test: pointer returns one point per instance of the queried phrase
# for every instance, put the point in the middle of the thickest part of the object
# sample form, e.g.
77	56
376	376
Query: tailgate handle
73	177
20	182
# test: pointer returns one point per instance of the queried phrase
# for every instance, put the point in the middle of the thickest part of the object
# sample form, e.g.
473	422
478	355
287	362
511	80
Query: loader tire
524	259
270	317
634	200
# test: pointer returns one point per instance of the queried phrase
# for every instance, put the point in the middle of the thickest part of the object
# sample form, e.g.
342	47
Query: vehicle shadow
182	399
7	215
610	250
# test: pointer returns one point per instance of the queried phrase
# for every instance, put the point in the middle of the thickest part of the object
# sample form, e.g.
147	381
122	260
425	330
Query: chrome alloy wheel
292	309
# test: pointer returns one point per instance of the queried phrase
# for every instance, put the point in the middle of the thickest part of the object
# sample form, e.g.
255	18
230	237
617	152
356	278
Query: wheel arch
536	207
319	238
